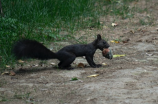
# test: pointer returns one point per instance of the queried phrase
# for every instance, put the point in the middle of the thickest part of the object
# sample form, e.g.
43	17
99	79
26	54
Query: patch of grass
65	13
3	98
26	97
142	22
22	96
10	30
146	21
74	79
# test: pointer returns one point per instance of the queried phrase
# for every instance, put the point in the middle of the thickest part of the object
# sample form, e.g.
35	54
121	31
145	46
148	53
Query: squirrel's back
32	49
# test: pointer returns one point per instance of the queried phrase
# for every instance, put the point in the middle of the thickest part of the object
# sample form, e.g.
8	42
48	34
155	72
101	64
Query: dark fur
34	49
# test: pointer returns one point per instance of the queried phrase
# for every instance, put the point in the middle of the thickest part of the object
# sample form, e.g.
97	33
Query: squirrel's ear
98	37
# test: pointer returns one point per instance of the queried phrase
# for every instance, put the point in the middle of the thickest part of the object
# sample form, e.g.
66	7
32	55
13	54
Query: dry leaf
132	31
80	65
104	64
20	61
12	73
7	66
114	24
126	41
114	41
52	63
118	55
139	29
5	73
94	75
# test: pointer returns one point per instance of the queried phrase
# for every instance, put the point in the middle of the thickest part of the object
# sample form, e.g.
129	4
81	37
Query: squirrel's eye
104	42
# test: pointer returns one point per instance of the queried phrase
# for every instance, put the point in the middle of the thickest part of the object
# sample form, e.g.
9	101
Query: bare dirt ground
131	79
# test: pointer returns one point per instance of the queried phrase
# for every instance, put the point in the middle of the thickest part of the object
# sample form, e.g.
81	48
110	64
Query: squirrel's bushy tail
32	49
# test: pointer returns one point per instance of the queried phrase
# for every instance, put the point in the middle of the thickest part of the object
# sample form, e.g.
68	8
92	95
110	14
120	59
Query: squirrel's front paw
96	66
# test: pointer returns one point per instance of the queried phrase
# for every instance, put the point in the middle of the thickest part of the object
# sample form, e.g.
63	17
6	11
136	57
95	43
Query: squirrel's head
101	43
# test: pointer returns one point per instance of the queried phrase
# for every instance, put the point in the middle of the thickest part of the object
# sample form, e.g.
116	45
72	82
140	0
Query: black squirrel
33	49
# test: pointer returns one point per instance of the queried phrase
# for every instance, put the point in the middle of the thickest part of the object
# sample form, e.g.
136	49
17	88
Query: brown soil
131	79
